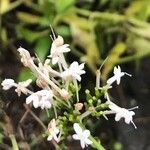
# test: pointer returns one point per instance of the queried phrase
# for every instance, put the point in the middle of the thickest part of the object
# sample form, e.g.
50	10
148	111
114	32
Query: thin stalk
14	142
77	91
98	73
55	111
96	144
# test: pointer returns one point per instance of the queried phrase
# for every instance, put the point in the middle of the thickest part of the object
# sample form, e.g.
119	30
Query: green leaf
113	56
28	18
63	30
42	47
64	5
25	74
30	35
4	6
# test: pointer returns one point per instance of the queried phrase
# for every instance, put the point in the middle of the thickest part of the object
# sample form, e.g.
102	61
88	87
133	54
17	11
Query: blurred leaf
4	35
141	44
143	32
87	40
63	30
28	18
64	5
1	137
42	47
25	74
30	35
139	9
4	6
113	56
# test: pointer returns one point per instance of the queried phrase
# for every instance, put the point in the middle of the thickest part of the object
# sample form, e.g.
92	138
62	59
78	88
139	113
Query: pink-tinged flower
117	76
74	72
53	131
58	47
81	135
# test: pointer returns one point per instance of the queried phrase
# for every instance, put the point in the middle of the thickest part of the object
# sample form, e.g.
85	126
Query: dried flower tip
21	87
25	56
53	130
8	83
78	106
57	49
64	94
59	41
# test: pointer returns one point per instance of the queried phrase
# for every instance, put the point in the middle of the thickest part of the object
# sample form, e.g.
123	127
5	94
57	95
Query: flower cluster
57	92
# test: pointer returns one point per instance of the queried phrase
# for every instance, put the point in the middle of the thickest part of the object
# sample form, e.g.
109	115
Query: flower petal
76	137
82	144
88	141
49	138
77	128
86	133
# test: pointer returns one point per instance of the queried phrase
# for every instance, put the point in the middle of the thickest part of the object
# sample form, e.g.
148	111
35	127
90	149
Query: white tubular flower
41	99
81	135
25	57
74	72
58	47
121	113
53	130
8	83
117	76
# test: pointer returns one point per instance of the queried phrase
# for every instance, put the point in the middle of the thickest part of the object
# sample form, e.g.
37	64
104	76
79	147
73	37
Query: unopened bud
78	106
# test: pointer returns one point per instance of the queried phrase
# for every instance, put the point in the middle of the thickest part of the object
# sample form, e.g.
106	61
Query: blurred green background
118	30
95	29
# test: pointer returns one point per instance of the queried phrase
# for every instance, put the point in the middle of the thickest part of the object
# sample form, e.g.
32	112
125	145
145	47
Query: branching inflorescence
59	90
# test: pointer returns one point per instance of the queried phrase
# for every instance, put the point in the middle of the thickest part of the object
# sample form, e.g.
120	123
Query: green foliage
100	32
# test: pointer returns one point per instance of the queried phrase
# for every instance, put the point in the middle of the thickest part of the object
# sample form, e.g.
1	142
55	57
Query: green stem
114	17
96	144
14	142
12	6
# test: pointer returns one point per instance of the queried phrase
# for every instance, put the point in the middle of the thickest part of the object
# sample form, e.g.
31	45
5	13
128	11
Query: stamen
134	125
128	74
136	107
53	33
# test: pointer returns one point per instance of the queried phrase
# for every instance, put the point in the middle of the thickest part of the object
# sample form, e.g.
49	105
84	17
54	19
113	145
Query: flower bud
78	106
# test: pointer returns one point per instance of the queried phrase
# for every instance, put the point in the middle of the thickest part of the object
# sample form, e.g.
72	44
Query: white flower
117	76
58	47
8	83
122	113
73	72
41	99
53	130
81	135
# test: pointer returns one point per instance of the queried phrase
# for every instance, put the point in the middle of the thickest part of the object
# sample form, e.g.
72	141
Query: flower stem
14	142
96	144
